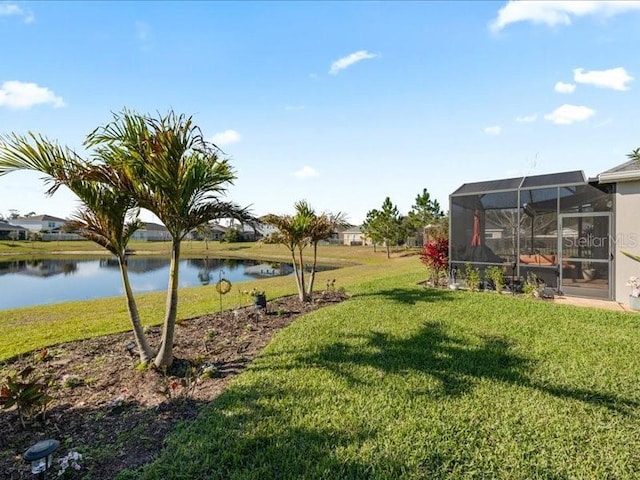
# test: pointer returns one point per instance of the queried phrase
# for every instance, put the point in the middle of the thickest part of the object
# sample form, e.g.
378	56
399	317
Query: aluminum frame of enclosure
520	221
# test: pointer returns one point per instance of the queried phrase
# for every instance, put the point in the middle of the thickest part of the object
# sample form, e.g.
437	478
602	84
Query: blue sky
338	103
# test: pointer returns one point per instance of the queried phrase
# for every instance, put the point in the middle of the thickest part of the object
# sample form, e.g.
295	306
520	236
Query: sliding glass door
585	259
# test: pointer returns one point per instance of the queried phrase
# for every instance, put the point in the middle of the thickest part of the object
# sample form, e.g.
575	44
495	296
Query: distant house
152	232
248	233
12	232
40	223
354	236
216	232
336	236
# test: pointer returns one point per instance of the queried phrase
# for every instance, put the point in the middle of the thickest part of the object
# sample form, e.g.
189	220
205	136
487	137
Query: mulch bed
117	416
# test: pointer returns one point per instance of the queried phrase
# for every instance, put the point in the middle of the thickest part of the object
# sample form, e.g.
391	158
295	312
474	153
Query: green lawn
398	382
333	254
404	382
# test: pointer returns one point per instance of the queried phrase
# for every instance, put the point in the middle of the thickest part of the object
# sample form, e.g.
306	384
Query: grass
398	382
25	329
332	254
403	382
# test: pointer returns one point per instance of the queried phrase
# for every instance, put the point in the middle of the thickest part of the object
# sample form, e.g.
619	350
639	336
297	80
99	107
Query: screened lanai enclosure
557	227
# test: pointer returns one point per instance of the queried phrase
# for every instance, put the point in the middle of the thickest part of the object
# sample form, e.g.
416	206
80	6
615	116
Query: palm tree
321	228
204	231
112	228
105	217
296	233
292	233
172	171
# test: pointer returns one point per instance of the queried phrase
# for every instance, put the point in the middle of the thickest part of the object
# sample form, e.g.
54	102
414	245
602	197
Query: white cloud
527	118
349	60
552	13
568	114
226	138
306	172
11	9
562	87
494	130
8	9
15	94
615	78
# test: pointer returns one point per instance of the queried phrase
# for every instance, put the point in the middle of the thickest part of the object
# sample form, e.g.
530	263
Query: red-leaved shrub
435	255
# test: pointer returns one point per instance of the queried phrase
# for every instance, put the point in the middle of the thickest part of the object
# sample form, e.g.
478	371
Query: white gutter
619	177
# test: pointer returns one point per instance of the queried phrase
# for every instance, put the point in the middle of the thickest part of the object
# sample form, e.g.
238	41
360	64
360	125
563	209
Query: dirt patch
117	416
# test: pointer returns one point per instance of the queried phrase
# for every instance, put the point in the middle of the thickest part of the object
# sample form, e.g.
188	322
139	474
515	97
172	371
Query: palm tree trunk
138	333
312	276
164	358
297	274
302	282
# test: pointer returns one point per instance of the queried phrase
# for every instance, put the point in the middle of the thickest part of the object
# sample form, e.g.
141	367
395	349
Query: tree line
386	226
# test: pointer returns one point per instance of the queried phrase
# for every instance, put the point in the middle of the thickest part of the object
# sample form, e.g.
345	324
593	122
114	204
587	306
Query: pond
41	282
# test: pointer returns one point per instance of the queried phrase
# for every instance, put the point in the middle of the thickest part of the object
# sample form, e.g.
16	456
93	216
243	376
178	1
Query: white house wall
39	225
627	237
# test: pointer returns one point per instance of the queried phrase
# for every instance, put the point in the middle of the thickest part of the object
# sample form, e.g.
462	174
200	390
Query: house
40	223
568	230
624	181
152	232
253	233
12	232
354	236
216	232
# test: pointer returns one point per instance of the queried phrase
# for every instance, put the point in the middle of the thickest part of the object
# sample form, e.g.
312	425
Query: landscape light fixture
40	456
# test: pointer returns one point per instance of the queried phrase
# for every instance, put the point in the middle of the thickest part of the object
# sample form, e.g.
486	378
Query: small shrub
182	387
116	404
496	275
531	286
42	355
211	334
209	370
435	256
472	276
27	395
71	381
331	285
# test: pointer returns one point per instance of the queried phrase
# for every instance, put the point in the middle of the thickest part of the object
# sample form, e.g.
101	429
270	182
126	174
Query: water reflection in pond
40	282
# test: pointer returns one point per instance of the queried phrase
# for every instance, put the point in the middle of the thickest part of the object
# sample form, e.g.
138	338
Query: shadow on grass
457	364
246	433
453	362
411	296
238	247
262	429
